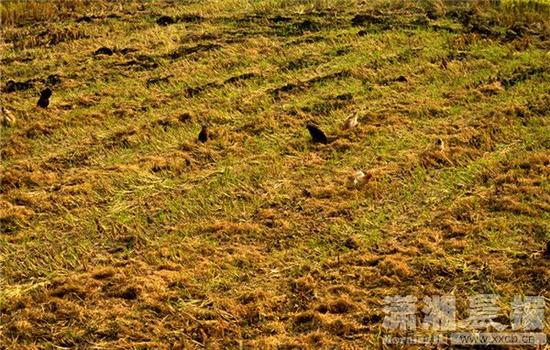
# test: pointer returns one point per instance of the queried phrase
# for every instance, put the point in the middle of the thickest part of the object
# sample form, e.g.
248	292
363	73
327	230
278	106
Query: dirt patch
92	18
121	291
165	20
168	123
296	26
238	78
157	80
103	51
308	25
287	88
397	79
184	18
128	50
13	86
186	117
194	91
190	18
300	63
281	19
370	18
522	74
69	291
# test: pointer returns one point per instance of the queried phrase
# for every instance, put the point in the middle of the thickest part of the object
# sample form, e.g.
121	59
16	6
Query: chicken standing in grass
203	135
351	122
317	135
359	178
44	99
6	117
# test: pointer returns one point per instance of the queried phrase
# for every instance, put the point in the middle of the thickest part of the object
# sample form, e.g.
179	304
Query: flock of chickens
358	179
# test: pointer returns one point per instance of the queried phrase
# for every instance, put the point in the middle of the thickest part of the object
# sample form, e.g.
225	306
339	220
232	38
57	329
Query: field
119	230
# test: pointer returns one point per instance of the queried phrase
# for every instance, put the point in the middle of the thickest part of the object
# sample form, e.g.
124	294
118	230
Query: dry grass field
120	231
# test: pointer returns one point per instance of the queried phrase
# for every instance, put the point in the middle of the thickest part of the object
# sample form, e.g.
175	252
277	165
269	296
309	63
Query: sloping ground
119	230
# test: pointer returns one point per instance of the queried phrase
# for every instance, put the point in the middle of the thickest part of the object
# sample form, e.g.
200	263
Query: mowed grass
120	230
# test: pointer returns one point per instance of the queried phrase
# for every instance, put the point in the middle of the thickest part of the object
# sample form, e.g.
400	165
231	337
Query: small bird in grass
359	178
203	135
317	135
351	122
439	145
7	119
44	99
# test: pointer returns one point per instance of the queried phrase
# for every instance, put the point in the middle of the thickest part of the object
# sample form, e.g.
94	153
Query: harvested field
119	230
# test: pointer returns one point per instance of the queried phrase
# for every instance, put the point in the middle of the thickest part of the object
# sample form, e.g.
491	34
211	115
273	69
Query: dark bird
317	135
203	135
547	252
44	99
